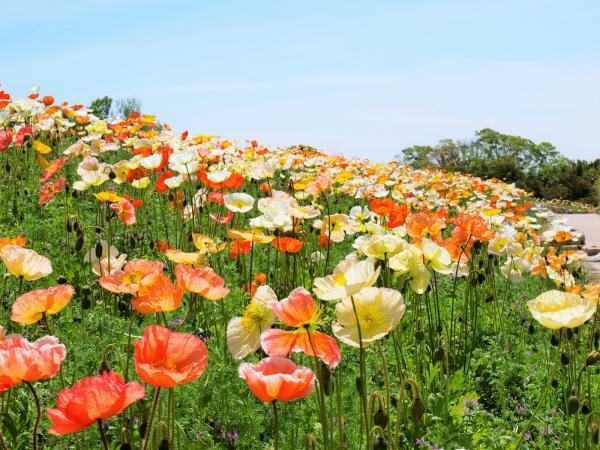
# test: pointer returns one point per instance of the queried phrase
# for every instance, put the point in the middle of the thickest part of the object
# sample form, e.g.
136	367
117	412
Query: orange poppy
202	280
300	311
234	181
161	295
125	211
278	378
474	225
165	359
238	248
18	241
134	275
425	224
287	244
382	206
21	360
50	189
29	307
458	245
398	215
53	168
97	397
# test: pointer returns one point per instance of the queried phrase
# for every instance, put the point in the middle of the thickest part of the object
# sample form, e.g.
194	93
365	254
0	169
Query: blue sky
358	78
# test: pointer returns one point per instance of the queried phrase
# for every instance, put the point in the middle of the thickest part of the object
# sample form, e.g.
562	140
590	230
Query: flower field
176	290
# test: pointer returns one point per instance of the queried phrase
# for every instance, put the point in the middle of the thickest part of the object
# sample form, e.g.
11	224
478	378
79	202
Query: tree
490	145
101	107
126	106
537	168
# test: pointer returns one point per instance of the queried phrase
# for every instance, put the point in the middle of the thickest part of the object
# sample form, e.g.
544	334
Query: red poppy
287	244
166	359
162	246
4	99
165	151
325	241
144	151
160	183
97	397
238	248
382	206
5	139
52	168
398	215
136	174
234	181
216	197
23	134
221	220
50	189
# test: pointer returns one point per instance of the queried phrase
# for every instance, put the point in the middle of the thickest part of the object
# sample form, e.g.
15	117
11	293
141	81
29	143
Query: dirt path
589	225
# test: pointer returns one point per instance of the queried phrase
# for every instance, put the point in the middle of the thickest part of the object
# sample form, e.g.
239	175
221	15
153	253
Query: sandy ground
589	225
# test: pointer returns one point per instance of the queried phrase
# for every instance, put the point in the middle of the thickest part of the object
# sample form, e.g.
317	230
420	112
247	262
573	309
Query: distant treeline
537	168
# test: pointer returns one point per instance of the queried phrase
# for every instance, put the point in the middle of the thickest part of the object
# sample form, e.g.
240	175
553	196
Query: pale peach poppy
21	360
29	307
202	280
278	379
25	263
134	275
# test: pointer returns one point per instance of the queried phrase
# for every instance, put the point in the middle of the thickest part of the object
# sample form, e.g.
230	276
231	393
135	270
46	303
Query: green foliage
538	168
101	107
126	106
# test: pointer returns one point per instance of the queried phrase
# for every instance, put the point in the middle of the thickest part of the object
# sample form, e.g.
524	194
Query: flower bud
104	367
98	250
417	408
324	375
380	443
585	407
420	336
380	418
593	429
79	242
572	404
359	385
592	358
